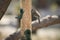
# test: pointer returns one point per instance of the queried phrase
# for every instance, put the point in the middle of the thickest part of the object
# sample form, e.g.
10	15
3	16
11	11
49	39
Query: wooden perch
3	7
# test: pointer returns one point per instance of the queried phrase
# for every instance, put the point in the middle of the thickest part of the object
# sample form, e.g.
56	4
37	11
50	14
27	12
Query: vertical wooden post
26	19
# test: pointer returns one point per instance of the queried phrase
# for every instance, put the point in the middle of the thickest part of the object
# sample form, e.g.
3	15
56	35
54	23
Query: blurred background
9	23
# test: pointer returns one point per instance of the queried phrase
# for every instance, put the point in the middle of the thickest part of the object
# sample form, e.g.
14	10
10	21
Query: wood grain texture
26	20
3	7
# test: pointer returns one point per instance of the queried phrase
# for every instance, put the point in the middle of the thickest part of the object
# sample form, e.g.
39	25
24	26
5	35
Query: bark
45	23
26	19
3	7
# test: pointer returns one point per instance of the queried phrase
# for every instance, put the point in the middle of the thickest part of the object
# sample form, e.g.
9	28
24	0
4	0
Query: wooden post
26	19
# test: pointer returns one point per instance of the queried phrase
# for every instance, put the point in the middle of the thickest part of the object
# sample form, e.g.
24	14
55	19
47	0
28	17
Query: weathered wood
45	23
3	6
26	20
